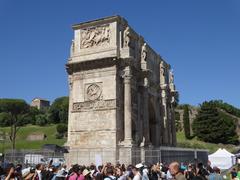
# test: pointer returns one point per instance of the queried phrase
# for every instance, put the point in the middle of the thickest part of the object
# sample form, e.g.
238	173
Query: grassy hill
195	143
50	131
226	111
23	143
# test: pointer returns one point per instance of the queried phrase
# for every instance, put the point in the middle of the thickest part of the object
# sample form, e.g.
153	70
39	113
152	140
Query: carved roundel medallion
93	92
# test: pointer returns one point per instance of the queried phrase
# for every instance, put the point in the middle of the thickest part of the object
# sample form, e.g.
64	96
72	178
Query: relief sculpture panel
93	91
95	36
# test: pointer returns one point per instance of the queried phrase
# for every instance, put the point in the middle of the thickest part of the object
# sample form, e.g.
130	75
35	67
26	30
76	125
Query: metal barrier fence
137	155
170	154
87	156
32	157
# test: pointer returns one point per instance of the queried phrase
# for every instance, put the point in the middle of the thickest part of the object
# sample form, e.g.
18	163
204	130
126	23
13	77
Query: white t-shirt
169	176
39	174
137	177
110	178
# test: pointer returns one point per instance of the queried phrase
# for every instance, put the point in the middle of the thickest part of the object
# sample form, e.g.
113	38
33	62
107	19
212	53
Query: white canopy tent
222	159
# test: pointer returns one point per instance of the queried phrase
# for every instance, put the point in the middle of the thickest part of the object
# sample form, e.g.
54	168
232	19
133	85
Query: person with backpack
109	174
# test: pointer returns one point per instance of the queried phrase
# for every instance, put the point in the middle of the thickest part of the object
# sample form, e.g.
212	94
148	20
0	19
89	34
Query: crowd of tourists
109	171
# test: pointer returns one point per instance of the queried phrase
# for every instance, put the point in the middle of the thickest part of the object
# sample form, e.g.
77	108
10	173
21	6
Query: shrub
41	119
59	136
61	128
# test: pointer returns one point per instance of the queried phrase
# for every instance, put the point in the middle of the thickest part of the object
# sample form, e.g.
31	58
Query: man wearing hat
136	171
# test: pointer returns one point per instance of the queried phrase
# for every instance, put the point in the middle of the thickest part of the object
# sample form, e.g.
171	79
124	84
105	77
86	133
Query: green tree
17	110
33	112
58	112
5	119
213	126
41	119
186	123
61	130
226	107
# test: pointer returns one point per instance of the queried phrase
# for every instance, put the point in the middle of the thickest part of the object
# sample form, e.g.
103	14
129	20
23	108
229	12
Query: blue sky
200	39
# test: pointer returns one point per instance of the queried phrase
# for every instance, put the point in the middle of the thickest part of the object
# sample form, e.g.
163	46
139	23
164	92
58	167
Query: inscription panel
94	105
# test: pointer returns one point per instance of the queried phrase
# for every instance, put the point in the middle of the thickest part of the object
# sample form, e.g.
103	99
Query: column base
145	143
127	143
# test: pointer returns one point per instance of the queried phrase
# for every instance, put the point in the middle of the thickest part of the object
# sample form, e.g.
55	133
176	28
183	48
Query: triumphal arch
122	93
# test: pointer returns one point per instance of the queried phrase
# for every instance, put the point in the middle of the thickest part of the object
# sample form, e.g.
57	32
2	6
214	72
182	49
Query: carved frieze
95	36
94	105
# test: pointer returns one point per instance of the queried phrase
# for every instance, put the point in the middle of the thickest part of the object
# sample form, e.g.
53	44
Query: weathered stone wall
122	94
93	118
36	137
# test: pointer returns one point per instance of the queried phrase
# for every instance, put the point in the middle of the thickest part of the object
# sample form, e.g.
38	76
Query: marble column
70	83
165	118
127	107
146	114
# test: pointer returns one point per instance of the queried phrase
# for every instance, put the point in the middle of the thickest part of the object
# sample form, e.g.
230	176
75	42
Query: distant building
40	103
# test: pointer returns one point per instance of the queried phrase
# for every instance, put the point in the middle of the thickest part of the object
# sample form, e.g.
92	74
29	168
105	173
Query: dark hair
216	170
99	176
92	167
200	165
81	168
123	167
38	166
75	168
109	170
129	168
100	167
19	168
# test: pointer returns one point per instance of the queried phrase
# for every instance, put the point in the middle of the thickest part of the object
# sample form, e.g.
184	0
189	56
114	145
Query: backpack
111	178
